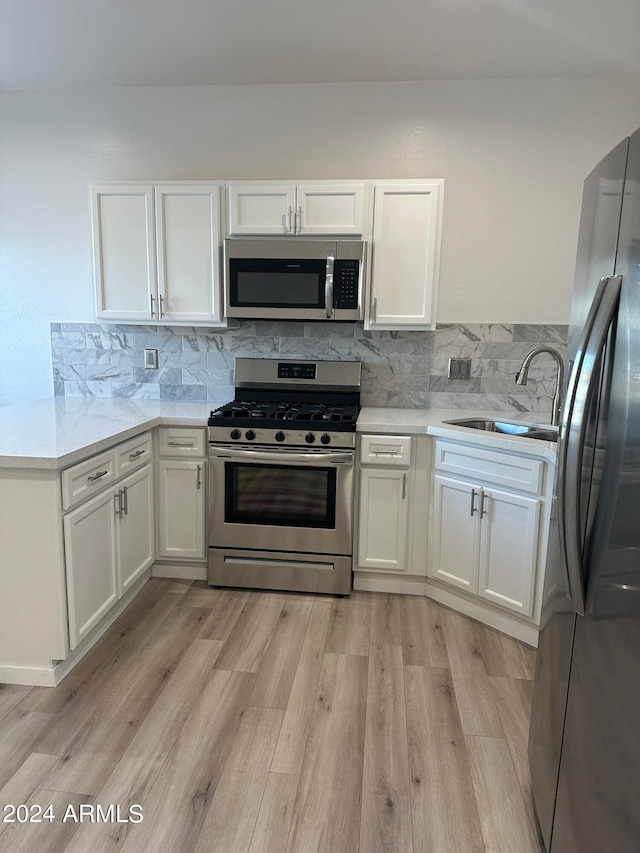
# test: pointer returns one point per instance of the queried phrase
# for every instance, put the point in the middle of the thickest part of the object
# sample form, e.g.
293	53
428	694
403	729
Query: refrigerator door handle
582	385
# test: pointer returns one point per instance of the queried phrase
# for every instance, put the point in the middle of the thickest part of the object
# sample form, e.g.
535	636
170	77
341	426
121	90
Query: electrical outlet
151	359
459	368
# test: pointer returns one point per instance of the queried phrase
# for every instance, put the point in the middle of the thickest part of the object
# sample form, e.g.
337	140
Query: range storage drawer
503	469
181	442
393	450
87	478
133	453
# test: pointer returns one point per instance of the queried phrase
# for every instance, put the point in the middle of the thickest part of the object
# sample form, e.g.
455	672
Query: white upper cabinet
124	254
292	208
407	226
156	252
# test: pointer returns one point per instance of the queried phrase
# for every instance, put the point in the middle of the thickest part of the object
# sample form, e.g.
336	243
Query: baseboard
188	572
501	622
403	586
32	676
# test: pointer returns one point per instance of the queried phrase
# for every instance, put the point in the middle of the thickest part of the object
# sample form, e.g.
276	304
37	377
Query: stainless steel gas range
281	473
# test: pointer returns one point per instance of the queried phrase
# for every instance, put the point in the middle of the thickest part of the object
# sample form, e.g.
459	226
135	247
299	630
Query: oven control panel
283	437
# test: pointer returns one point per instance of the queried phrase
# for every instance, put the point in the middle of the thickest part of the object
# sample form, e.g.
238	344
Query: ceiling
47	44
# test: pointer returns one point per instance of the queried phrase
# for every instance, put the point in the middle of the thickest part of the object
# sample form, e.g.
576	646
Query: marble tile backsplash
400	369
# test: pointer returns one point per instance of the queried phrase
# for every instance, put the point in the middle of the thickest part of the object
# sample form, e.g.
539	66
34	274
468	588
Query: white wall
513	155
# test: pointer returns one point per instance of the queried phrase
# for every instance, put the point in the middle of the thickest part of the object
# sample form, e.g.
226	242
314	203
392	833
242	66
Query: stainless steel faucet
523	374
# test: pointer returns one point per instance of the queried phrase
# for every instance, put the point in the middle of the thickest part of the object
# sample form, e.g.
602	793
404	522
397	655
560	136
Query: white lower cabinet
91	561
485	541
384	519
181	509
109	544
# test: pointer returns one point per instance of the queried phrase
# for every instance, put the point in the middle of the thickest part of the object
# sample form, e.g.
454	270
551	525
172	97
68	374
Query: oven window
283	495
277	284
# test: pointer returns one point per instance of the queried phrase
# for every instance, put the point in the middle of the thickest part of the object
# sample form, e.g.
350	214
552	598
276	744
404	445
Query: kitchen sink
508	428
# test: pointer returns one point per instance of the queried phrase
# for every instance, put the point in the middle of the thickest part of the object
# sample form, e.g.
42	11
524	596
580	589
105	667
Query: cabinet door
135	527
188	241
456	533
123	251
509	550
406	254
384	518
181	508
90	546
330	208
261	208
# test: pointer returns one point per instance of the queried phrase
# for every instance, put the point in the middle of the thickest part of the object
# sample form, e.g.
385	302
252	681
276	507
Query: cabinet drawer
392	450
181	442
134	453
88	478
504	469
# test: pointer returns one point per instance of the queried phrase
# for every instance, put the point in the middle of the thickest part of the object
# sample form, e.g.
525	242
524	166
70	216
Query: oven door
281	500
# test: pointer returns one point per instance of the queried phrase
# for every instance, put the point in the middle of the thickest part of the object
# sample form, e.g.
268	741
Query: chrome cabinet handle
299	220
125	501
375	310
180	443
474	494
289	215
136	454
328	284
484	511
199	481
118	509
161	301
404	486
151	298
97	476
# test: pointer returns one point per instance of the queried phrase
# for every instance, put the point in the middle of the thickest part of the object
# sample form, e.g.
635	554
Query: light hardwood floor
252	721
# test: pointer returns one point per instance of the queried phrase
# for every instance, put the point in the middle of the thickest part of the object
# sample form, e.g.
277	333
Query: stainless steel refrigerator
584	743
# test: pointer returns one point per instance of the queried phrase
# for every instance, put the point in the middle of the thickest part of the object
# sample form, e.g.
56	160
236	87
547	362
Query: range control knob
309	438
236	434
280	436
325	439
249	435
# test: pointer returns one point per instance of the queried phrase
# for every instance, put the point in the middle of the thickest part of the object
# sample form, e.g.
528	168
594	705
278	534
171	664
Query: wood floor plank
350	625
49	836
25	780
295	727
444	810
474	696
250	636
276	811
224	615
504	657
278	667
137	770
87	762
232	815
200	594
386	794
11	696
19	733
326	815
385	620
423	642
176	806
514	697
505	823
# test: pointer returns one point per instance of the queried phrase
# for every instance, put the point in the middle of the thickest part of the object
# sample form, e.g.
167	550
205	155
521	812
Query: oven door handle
332	458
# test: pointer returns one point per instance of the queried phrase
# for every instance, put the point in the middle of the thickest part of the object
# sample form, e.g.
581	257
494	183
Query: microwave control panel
345	284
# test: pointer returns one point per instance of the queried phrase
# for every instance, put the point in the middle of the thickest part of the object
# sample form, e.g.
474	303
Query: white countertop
432	422
59	431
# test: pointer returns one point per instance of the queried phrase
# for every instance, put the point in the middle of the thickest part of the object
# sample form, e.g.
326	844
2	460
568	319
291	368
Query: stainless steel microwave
294	279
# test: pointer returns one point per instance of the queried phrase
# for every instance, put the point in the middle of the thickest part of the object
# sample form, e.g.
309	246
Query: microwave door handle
328	284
